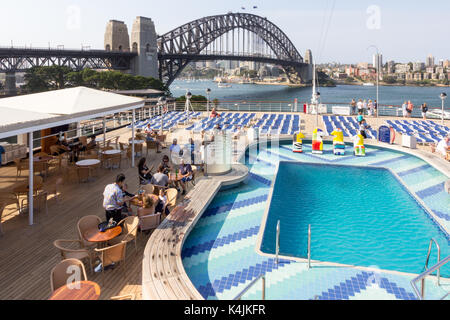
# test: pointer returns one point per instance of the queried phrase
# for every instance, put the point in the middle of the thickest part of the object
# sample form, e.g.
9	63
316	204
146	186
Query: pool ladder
437	267
277	244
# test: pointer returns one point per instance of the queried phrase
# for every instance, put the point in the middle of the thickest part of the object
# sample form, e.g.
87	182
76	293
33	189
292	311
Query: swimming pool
220	257
360	216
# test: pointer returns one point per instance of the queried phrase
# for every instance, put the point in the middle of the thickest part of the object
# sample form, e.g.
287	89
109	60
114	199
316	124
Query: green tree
389	80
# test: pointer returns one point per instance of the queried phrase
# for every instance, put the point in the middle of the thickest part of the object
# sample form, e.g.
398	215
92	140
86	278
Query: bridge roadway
21	59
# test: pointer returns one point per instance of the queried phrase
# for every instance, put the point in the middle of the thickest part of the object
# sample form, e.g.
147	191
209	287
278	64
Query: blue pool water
358	216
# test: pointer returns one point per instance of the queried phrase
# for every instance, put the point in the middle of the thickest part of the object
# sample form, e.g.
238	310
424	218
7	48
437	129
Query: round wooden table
136	141
88	163
87	290
95	235
111	152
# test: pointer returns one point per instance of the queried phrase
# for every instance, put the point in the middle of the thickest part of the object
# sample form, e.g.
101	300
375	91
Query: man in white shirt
360	106
443	146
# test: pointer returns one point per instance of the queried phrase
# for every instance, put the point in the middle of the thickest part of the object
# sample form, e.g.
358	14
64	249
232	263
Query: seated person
186	173
162	203
214	113
360	118
362	128
139	135
152	135
145	175
444	146
165	163
159	178
148	208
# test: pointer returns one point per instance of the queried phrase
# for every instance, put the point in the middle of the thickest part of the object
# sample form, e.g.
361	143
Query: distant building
418	66
427	76
364	65
446	64
390	67
430	61
211	64
418	76
352	71
439	70
378	61
402	68
441	63
430	69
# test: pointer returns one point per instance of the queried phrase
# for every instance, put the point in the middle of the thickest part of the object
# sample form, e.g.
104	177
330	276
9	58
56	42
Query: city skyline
336	31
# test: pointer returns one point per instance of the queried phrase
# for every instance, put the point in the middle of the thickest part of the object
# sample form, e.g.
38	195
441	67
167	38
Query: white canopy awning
9	116
59	107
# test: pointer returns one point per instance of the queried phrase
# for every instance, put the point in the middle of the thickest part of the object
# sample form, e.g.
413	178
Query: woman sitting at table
166	164
148	207
145	175
162	202
152	135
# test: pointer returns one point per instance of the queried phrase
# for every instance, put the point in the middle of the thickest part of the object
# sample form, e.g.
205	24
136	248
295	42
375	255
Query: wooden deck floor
27	254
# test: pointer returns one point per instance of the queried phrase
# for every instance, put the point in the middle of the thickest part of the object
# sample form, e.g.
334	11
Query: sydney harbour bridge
232	36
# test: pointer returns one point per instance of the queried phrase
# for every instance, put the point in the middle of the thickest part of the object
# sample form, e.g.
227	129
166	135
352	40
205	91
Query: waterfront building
430	69
418	76
427	76
430	61
378	61
439	70
390	67
402	68
446	64
418	66
441	63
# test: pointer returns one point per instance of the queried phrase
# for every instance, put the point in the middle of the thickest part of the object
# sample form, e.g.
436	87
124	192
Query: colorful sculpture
298	142
338	142
358	146
317	142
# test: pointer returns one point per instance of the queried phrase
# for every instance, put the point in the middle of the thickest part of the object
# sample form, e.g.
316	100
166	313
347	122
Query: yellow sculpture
358	145
317	142
338	142
298	142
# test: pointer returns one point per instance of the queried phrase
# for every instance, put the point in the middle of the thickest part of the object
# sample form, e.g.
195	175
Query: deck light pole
208	92
162	103
378	79
443	97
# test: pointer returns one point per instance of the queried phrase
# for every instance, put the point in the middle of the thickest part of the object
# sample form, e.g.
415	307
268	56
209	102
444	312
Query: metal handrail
277	245
422	276
422	291
261	276
438	257
309	246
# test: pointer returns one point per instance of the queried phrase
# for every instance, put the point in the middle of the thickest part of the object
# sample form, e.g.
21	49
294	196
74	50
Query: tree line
39	79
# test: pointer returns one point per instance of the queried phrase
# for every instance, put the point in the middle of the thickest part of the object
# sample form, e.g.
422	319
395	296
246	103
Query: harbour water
388	95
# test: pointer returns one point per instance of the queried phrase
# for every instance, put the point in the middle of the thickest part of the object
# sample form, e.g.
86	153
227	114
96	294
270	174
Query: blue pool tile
430	191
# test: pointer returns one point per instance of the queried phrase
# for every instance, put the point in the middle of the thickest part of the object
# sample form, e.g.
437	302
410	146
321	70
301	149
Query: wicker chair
6	199
21	165
172	195
149	222
112	254
66	248
61	273
129	231
84	224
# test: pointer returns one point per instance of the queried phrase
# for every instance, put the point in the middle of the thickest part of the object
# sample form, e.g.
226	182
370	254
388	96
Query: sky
335	30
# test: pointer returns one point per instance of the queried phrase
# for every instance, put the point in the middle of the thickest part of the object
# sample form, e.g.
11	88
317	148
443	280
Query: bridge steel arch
184	44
